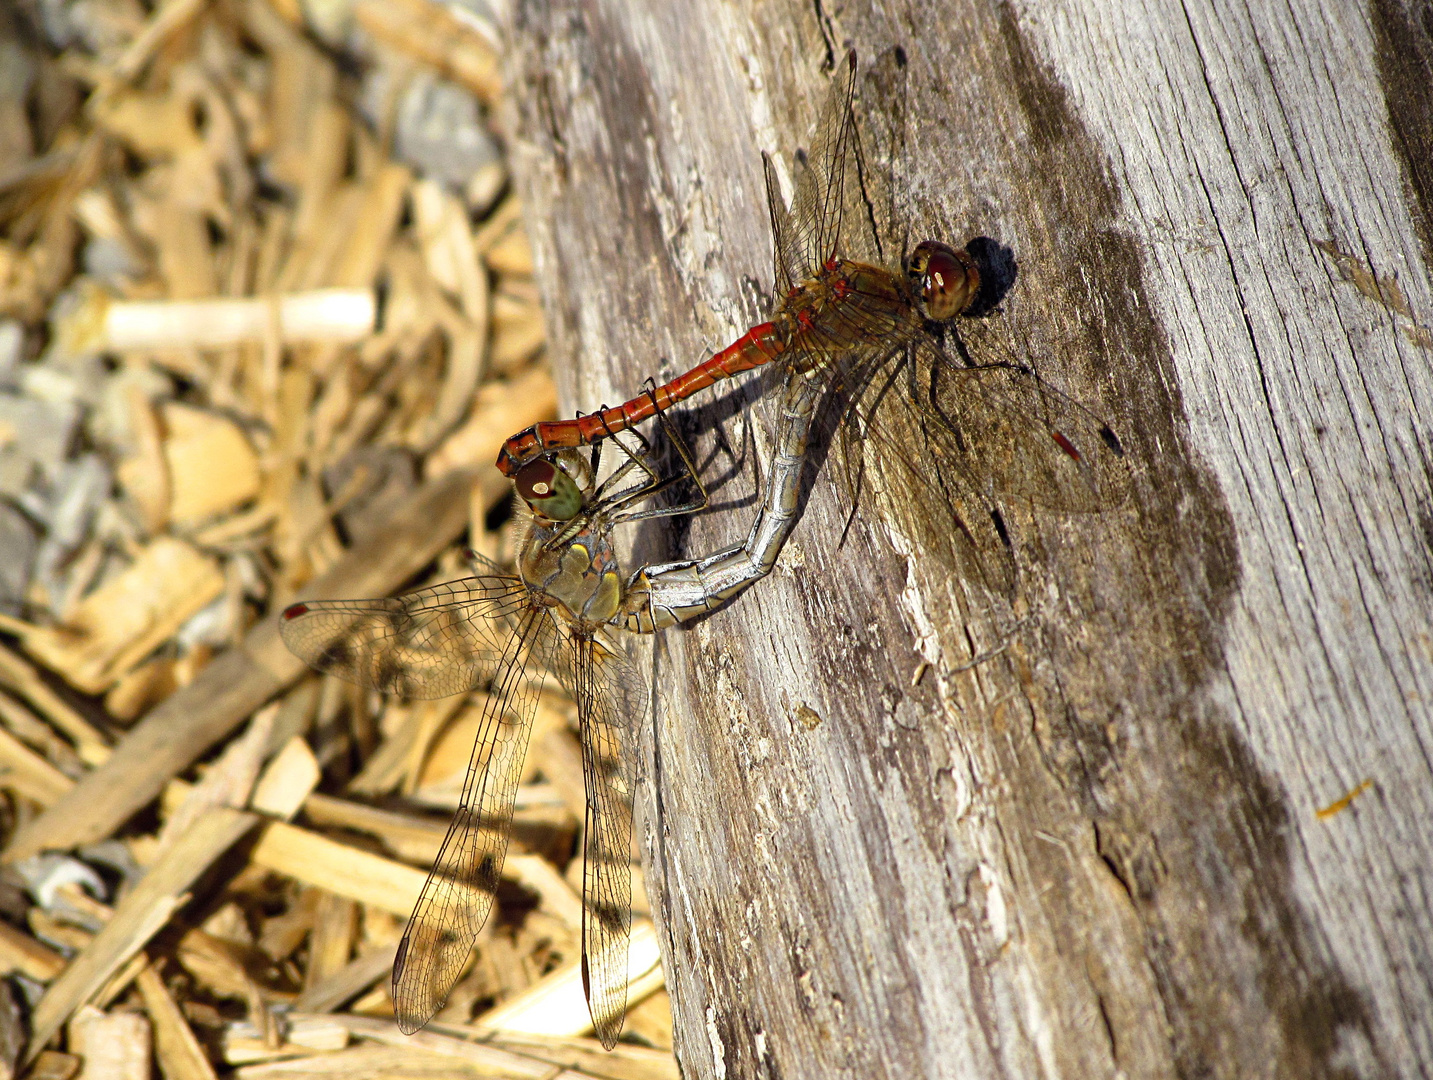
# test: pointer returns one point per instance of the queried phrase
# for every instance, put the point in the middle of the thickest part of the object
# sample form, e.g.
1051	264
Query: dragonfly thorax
580	578
817	318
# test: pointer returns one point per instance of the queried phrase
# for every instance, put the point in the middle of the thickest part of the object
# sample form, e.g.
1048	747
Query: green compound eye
548	490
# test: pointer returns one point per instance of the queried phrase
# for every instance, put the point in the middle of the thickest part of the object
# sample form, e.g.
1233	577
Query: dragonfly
998	426
561	613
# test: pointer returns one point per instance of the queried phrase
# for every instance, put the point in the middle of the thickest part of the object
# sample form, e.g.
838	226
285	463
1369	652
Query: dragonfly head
946	280
549	487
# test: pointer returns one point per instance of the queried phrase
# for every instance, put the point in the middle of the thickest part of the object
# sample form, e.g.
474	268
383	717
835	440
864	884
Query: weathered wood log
1098	850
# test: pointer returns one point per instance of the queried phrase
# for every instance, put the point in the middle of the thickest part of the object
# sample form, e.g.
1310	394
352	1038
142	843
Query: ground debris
261	281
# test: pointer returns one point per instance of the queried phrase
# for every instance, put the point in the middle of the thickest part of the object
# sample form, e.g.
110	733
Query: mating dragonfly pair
837	322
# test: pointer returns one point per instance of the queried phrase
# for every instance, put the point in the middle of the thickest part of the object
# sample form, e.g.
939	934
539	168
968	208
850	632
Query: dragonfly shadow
704	429
998	271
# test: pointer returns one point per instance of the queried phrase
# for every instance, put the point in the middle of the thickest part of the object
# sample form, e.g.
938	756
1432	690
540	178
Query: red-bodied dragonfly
843	319
497	631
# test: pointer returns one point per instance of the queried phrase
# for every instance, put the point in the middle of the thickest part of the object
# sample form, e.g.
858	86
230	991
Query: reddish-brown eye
946	278
548	490
534	480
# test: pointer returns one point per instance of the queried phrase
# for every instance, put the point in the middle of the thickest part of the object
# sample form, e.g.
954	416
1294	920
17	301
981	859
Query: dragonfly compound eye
548	490
947	279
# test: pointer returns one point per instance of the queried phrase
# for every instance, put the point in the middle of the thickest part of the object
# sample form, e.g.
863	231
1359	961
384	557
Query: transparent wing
458	895
788	269
1013	435
607	691
881	437
821	180
484	566
961	443
874	230
427	644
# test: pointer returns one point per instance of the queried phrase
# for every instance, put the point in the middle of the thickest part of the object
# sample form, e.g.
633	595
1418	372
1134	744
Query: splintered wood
259	337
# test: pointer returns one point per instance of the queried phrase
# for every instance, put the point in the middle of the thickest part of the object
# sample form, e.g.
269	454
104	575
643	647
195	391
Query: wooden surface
1097	852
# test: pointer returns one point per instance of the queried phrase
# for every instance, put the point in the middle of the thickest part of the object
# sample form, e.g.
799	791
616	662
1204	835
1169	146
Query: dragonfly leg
642	458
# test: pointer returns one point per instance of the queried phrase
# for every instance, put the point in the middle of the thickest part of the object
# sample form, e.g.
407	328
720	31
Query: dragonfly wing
606	691
458	895
959	443
822	186
427	644
879	440
483	565
789	268
1013	435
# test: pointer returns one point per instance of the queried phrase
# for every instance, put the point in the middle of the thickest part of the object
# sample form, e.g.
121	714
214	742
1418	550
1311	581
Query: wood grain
1097	851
